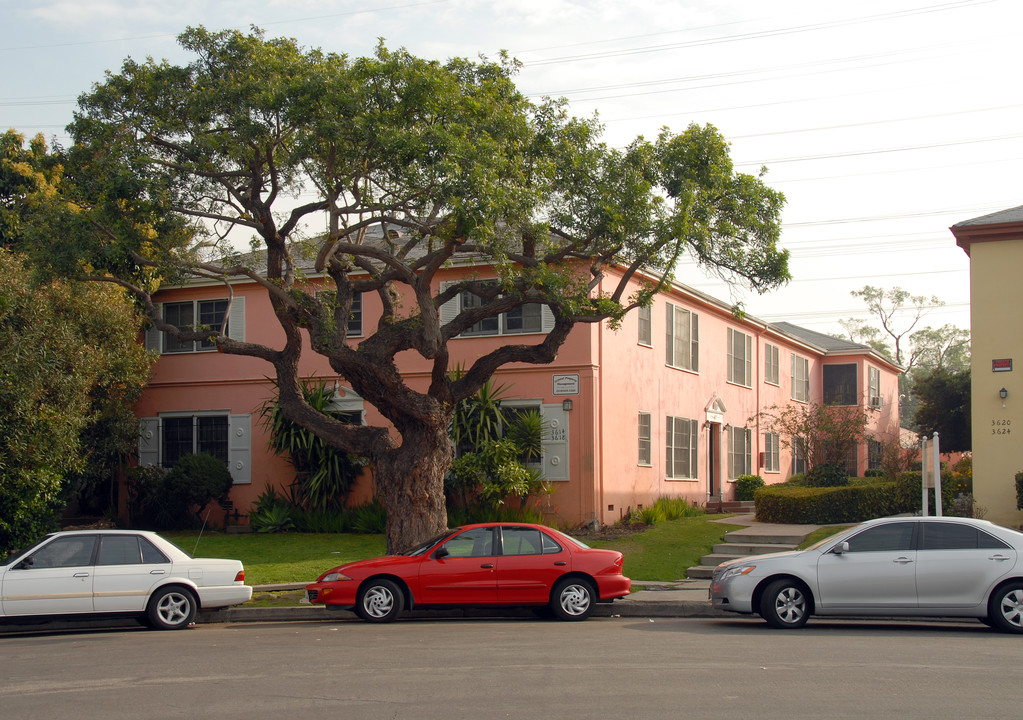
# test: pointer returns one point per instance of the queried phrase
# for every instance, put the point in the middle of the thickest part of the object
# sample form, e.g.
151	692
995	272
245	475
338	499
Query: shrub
172	499
747	485
271	513
822	506
675	508
827	475
874	473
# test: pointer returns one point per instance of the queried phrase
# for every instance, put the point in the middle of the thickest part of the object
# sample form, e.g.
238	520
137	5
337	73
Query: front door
713	460
53	580
467	575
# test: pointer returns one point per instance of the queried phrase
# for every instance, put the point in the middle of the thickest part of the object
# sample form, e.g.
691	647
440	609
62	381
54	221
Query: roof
828	344
1012	215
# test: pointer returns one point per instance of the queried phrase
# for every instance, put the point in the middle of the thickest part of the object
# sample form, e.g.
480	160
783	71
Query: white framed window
165	439
645	317
772	452
840	384
523	320
189	314
800	378
875	454
740	358
645	456
772	364
355	317
798	455
681	448
874	387
683	338
740	452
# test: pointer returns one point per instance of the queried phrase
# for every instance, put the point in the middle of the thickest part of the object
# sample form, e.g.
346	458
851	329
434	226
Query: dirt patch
609	532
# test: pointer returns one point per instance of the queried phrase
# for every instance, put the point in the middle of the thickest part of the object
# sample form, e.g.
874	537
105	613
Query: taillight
240	577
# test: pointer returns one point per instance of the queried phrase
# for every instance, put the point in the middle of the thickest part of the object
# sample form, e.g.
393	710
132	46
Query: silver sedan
900	566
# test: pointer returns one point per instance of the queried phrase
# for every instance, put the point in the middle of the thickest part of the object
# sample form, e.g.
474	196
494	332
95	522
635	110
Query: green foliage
451	153
271	513
943	406
70	369
746	486
478	419
827	433
174	499
827	475
324	475
825	505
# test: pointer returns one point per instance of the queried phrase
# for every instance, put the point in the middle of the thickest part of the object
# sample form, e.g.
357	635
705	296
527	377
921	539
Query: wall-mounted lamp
1003	393
566	404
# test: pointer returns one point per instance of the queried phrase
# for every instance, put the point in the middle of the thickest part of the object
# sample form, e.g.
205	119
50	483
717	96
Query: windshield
424	547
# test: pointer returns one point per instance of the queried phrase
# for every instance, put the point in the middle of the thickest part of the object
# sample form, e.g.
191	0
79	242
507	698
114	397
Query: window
798	455
800	378
528	318
646	325
890	537
740	358
772	364
772	452
521	541
198	314
840	385
68	551
953	536
875	451
471	543
327	297
874	385
681	447
645	457
164	440
190	434
683	338
739	452
188	315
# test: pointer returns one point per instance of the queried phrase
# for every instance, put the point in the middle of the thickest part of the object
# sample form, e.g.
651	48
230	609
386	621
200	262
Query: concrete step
730	506
748	536
748	548
700	572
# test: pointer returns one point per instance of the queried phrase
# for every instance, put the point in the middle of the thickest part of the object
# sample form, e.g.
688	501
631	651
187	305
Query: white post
923	475
937	476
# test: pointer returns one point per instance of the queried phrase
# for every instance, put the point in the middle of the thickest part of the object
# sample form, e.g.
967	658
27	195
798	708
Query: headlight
334	577
737	570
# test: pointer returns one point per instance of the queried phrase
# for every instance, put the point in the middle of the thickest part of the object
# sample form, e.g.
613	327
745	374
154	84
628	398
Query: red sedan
509	564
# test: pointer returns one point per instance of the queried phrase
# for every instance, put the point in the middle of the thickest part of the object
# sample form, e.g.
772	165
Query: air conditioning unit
877	401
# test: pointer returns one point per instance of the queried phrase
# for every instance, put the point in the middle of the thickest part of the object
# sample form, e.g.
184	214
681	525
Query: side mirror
841	548
440	553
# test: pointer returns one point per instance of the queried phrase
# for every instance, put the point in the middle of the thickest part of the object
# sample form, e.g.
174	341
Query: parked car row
902	566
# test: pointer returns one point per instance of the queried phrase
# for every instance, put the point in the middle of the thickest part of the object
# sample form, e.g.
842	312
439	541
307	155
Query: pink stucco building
664	406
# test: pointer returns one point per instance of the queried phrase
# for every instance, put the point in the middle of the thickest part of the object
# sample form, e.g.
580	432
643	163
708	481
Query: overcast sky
883	121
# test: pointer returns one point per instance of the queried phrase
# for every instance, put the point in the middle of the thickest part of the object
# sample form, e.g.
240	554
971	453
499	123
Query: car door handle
81	575
560	562
903	560
487	565
157	572
999	557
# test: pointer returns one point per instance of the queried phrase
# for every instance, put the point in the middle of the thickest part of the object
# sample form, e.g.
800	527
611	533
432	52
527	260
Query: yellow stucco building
995	245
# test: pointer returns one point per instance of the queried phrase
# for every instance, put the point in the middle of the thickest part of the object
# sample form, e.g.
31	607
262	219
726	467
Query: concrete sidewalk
681	598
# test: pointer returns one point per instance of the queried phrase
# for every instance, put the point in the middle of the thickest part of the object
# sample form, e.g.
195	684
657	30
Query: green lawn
661	553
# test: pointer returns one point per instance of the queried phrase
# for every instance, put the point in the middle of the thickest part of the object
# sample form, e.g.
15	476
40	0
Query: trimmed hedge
852	503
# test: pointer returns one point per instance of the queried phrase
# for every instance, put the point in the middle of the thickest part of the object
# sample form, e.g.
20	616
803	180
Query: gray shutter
449	310
239	450
555	443
236	321
149	441
694	335
154	338
546	319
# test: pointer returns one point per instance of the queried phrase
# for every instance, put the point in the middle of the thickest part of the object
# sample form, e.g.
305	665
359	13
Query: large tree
944	407
264	138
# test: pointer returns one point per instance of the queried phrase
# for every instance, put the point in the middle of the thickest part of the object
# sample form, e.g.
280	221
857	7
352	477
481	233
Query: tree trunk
410	483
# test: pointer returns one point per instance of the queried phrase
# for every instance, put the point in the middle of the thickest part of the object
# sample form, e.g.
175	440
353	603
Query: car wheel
572	599
785	604
380	601
171	608
1005	609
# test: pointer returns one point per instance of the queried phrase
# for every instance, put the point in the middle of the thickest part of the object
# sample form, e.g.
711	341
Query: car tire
1005	608
573	599
380	601
171	608
785	604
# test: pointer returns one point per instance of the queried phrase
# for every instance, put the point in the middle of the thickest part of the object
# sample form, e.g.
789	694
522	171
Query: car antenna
200	532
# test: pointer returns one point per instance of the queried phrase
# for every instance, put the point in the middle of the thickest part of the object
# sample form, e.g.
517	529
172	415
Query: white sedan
901	566
88	573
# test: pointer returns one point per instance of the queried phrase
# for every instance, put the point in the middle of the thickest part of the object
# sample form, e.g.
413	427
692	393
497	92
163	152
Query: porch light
566	404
